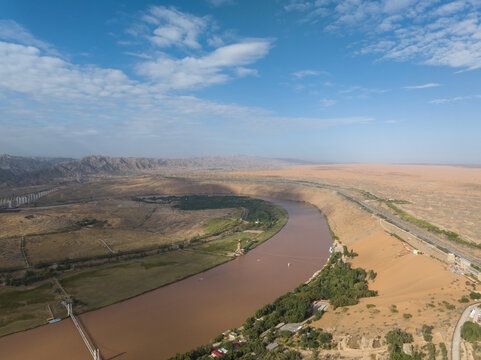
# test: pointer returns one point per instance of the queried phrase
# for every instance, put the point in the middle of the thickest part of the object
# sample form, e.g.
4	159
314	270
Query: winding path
457	331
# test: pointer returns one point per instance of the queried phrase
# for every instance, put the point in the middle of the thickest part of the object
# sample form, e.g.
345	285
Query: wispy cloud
194	72
361	92
43	96
218	3
13	32
454	99
209	58
303	73
424	86
327	102
424	31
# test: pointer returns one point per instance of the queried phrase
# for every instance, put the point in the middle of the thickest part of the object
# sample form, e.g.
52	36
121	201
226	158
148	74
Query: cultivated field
106	250
52	234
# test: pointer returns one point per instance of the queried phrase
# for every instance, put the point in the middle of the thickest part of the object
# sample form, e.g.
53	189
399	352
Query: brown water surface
186	314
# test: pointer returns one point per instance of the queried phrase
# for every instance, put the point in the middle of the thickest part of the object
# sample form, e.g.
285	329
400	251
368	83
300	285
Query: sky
395	81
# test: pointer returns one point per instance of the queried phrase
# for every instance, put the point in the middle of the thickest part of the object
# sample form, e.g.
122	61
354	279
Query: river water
186	314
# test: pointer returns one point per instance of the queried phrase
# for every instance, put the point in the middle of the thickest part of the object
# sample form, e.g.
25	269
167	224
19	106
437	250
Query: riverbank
414	290
190	312
93	285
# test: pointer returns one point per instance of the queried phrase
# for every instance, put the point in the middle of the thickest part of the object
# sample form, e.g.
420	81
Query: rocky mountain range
22	171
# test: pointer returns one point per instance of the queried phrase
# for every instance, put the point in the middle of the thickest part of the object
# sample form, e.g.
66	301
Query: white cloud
24	69
210	58
424	31
303	73
13	32
424	86
54	104
175	28
191	72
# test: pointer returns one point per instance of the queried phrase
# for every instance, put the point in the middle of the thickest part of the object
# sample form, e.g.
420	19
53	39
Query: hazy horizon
393	81
299	160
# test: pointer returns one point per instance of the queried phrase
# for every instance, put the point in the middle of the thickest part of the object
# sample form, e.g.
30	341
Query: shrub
471	331
427	333
475	295
395	340
448	305
444	351
407	316
464	299
431	351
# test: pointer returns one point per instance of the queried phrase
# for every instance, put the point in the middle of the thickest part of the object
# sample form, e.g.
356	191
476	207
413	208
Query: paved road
457	332
406	227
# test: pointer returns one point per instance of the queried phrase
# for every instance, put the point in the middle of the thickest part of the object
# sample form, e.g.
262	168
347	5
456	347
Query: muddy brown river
191	312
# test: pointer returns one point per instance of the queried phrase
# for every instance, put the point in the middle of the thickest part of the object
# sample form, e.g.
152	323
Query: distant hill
32	171
17	165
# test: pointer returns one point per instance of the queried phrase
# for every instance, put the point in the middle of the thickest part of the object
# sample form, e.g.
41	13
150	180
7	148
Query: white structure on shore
19	200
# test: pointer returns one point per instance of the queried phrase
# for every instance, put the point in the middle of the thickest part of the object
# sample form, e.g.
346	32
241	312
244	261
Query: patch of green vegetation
476	267
407	316
98	273
228	243
427	332
395	340
464	299
475	295
394	309
369	306
431	348
14	299
337	282
347	253
107	284
471	332
22	308
257	210
218	225
448	305
149	265
444	351
312	338
333	235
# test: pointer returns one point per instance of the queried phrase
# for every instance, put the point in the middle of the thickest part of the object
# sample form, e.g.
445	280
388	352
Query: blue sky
324	80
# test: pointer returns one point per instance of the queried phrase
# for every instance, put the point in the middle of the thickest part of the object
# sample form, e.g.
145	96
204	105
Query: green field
26	307
109	284
95	286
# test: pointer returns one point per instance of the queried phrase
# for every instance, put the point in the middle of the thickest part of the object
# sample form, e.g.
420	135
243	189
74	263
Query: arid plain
414	289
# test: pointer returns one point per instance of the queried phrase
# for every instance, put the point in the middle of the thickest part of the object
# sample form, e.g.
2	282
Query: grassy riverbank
97	285
262	335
